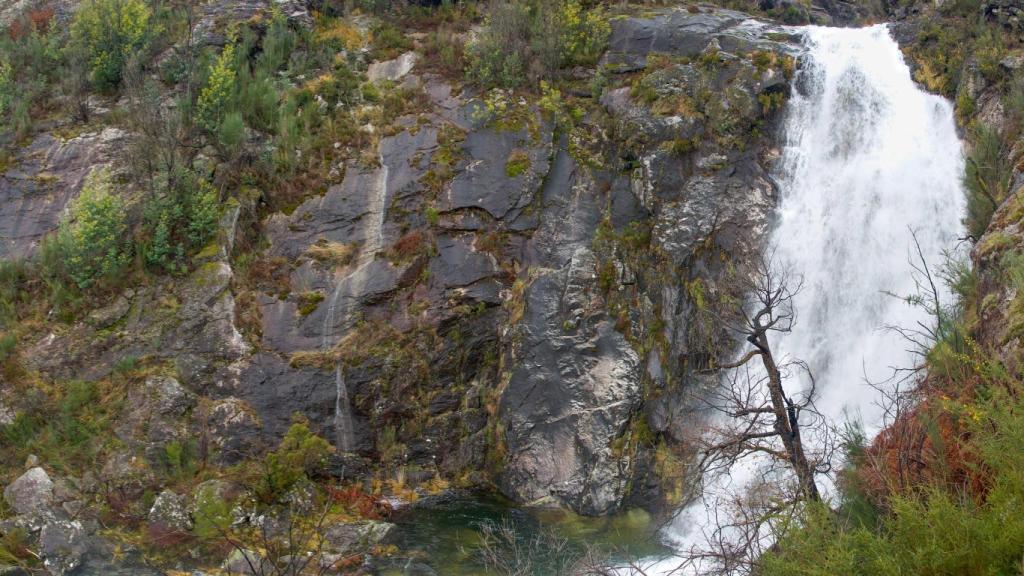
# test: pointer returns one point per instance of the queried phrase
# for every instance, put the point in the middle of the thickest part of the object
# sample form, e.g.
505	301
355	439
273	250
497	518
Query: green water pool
442	535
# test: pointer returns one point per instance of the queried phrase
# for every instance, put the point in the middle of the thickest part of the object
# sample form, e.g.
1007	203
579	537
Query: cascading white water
868	157
347	291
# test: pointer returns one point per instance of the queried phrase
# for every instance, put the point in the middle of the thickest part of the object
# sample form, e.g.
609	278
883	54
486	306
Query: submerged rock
355	537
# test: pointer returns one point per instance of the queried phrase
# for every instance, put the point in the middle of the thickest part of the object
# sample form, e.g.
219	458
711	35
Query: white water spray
347	291
868	157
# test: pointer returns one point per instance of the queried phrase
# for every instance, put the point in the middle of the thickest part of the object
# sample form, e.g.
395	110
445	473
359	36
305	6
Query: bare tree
505	551
761	415
287	541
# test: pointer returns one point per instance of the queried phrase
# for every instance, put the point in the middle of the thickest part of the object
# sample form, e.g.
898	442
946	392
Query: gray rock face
576	383
469	291
680	33
216	16
156	414
45	177
31	493
579	374
484	182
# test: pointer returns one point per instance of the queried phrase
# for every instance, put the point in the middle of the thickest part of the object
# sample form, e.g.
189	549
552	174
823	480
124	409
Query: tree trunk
787	425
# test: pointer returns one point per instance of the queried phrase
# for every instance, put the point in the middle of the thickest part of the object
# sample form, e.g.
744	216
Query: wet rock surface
44	178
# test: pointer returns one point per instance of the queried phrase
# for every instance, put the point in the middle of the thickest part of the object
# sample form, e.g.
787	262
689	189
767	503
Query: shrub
212	515
6	86
585	33
180	221
277	45
937	531
987	179
90	244
179	459
533	40
388	41
258	101
66	432
107	33
300	454
231	134
30	62
12	275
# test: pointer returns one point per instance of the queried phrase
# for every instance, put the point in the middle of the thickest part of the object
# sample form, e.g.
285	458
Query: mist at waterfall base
868	157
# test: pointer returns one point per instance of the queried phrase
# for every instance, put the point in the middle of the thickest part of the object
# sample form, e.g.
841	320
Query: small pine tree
217	97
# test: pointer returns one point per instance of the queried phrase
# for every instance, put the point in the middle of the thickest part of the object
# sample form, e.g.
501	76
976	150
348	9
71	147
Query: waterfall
347	291
867	158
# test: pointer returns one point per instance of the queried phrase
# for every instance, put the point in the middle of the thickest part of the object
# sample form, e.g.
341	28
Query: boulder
62	546
392	70
234	429
245	562
31	493
170	512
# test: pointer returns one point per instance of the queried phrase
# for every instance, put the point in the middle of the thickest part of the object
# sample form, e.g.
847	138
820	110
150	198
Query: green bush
300	454
180	221
277	45
180	459
212	516
534	40
90	244
6	86
939	530
388	41
107	33
30	63
231	134
258	100
987	179
12	275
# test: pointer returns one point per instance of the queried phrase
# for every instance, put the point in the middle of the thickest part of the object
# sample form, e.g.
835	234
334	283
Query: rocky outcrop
48	516
488	292
189	322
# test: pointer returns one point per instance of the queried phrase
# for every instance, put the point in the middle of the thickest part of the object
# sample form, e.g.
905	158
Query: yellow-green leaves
91	241
215	98
108	33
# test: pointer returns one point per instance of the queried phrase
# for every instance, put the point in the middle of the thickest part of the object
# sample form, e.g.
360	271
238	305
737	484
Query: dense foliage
91	245
535	40
108	33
